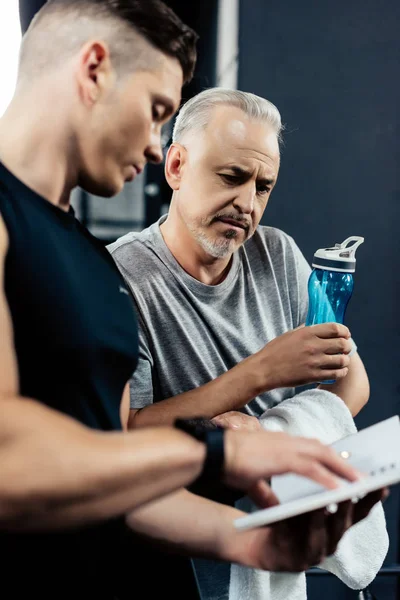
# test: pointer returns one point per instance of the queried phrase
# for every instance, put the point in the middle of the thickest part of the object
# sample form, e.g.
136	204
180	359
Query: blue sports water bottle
330	284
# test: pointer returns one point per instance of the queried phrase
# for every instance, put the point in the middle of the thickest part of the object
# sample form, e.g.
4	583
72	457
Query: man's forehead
234	134
250	151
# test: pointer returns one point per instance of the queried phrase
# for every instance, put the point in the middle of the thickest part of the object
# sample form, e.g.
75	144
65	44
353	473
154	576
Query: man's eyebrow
241	172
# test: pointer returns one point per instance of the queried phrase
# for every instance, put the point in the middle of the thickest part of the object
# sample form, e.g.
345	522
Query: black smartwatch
213	437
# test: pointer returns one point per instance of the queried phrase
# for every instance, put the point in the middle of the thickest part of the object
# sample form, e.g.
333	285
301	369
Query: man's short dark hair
152	19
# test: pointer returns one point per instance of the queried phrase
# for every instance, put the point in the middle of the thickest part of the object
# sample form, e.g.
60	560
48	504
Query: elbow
365	391
358	406
362	398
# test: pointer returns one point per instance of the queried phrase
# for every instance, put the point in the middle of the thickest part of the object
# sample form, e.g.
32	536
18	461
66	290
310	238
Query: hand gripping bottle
330	284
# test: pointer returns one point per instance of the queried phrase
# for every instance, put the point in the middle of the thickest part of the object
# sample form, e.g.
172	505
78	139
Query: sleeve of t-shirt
141	382
303	270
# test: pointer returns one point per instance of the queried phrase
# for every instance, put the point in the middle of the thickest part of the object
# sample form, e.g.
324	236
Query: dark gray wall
333	69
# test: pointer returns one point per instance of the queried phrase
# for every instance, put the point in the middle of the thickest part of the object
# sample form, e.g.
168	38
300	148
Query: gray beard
220	248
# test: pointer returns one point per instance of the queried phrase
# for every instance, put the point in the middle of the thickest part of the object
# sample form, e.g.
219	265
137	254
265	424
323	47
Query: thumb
262	494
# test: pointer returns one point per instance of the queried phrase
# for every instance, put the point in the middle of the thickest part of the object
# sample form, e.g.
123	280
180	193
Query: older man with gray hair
222	299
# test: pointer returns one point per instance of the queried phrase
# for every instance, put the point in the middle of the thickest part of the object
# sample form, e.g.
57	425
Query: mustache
245	223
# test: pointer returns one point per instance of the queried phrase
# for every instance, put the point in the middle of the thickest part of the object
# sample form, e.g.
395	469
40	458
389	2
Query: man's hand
237	421
302	542
251	457
305	355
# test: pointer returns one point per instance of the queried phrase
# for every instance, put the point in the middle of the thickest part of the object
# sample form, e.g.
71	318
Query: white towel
363	548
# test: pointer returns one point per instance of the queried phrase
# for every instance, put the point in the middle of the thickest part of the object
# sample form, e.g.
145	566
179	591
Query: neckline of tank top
66	217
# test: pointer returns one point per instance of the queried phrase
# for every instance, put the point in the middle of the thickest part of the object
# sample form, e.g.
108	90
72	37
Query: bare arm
354	388
199	536
57	473
304	355
230	391
200	527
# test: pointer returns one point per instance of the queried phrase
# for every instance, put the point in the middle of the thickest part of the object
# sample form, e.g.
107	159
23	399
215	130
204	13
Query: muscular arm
57	473
195	525
201	527
354	388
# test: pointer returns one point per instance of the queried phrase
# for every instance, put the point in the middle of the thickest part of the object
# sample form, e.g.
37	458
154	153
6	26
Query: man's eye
232	179
263	189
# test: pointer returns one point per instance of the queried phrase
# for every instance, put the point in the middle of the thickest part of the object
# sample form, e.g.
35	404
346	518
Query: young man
97	80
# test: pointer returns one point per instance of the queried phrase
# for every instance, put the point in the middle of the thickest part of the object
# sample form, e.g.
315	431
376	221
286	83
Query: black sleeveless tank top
76	344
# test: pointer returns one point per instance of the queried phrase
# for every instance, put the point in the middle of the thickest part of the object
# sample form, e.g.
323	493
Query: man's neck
191	257
34	149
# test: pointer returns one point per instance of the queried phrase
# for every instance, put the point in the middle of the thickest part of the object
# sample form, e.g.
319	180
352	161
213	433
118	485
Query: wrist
214	448
231	545
261	373
256	549
253	548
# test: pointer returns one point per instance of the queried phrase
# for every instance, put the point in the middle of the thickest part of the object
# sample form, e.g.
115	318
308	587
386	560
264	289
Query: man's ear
95	74
174	165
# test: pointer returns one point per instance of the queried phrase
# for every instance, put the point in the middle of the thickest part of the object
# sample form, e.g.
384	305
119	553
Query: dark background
332	68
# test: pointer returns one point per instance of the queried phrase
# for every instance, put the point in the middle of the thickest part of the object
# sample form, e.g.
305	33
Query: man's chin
105	189
221	250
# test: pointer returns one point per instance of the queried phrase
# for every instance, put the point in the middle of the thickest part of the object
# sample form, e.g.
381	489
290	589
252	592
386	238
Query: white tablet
346	491
374	451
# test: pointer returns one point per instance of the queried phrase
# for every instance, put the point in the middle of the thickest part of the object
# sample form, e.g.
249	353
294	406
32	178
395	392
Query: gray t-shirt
190	332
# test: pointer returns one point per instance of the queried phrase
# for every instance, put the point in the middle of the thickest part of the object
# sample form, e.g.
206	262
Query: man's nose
244	200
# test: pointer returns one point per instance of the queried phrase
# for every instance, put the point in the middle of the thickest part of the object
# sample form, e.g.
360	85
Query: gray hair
196	112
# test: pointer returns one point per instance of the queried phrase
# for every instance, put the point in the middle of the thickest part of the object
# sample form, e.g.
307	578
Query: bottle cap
340	257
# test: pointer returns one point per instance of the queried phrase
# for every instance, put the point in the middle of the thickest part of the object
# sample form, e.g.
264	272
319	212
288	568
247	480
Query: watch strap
213	438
